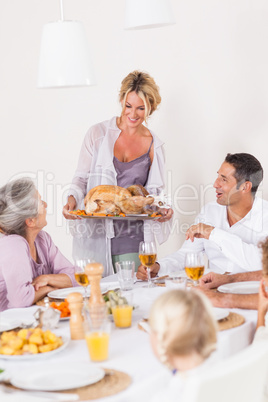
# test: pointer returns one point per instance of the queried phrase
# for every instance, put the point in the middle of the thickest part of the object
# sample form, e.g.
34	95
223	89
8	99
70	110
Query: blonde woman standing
121	151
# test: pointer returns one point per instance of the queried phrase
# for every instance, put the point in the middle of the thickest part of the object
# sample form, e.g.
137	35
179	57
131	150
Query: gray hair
18	202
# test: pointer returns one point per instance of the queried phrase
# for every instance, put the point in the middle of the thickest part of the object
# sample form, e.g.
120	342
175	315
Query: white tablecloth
130	349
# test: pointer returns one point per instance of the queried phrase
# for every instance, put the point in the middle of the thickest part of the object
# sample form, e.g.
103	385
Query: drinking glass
194	266
125	274
79	274
147	256
122	313
97	332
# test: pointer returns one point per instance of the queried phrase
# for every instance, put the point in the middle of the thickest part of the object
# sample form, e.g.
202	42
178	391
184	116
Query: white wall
212	71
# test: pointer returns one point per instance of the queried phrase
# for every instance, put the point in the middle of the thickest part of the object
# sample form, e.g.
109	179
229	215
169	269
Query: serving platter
131	217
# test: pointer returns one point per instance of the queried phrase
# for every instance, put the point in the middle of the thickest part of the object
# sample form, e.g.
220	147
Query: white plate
63	293
37	356
240	287
220	313
57	377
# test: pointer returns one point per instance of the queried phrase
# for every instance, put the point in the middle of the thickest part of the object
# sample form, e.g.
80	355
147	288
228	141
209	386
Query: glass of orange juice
122	312
97	333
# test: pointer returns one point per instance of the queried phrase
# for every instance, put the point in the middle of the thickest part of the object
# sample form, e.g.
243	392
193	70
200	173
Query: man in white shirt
228	230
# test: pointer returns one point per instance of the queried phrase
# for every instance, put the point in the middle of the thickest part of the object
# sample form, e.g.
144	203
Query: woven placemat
113	382
233	320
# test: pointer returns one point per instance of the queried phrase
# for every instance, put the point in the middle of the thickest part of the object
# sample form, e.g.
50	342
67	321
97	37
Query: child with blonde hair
183	336
183	329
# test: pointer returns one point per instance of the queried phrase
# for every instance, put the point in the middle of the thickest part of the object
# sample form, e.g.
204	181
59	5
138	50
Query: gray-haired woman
30	263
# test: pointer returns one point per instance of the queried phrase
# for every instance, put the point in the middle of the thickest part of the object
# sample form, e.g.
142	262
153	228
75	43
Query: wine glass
194	266
147	256
79	274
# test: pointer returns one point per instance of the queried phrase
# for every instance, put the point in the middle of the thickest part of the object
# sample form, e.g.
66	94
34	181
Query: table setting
109	367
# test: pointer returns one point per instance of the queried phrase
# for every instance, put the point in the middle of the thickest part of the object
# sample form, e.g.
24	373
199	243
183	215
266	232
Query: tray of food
115	202
82	214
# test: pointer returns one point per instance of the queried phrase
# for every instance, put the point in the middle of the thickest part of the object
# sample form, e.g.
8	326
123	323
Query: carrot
63	307
155	215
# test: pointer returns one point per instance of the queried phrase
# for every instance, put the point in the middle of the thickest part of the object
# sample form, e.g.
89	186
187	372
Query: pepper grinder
94	272
75	301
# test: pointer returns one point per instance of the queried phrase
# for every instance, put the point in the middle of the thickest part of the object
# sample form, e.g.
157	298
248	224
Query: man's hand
217	299
213	280
142	271
199	230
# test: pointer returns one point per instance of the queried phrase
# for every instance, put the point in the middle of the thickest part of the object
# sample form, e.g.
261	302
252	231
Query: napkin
144	326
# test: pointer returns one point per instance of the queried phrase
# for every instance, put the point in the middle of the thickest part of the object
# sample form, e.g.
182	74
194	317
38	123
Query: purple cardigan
18	269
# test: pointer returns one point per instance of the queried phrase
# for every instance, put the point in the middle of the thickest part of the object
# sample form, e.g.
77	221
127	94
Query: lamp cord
61	10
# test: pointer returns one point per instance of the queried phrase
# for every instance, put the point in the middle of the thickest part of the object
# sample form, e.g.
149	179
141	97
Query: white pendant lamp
65	59
141	14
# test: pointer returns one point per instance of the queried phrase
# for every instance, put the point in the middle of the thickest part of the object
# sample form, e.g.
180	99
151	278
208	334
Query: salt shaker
48	318
75	301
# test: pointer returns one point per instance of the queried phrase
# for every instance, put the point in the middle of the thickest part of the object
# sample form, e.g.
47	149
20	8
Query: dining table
129	348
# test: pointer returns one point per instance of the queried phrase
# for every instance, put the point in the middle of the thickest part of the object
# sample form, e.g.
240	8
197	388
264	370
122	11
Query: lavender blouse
18	269
128	234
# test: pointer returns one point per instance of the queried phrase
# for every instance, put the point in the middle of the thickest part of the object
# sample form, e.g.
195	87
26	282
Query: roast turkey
110	199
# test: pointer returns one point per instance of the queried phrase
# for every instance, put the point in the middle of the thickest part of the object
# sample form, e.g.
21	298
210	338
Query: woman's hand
40	281
58	281
166	215
70	206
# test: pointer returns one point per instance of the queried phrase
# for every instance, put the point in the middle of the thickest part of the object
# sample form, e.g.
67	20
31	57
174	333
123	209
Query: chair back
242	377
